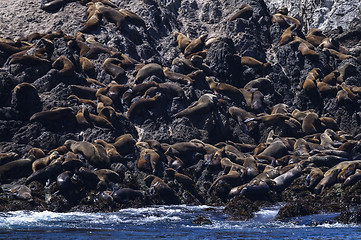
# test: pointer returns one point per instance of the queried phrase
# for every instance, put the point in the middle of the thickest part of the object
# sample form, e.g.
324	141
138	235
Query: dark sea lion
64	182
49	172
83	91
15	169
142	104
124	195
53	5
57	114
245	11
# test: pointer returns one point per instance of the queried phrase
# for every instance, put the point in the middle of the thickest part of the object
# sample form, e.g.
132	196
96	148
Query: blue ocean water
169	222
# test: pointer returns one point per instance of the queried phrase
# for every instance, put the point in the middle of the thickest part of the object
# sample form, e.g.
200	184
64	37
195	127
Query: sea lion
285	179
336	54
178	77
285	21
88	150
44	161
22	192
276	149
224	89
195	45
10	156
64	182
182	40
204	105
234	178
113	67
331	78
97	120
314	178
149	70
83	100
64	65
183	179
124	143
310	123
142	104
124	195
137	90
132	17
315	36
287	35
59	114
159	187
87	66
15	169
108	176
51	6
242	115
149	161
83	91
351	180
245	11
49	172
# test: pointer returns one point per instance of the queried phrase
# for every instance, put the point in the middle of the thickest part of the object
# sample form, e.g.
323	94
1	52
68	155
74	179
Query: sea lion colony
248	143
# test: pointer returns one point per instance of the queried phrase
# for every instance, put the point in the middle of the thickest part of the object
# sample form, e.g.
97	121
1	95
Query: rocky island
109	104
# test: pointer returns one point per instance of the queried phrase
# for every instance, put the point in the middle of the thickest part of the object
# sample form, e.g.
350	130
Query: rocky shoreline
139	103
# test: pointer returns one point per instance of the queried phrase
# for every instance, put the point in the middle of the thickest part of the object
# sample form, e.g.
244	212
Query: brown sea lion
87	66
182	40
64	65
195	45
315	36
113	67
245	11
204	105
59	114
149	70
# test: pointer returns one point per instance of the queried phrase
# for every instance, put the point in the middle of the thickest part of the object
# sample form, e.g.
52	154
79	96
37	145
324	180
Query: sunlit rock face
322	14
